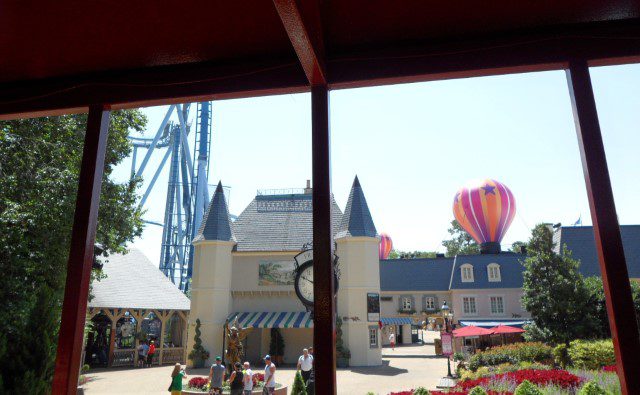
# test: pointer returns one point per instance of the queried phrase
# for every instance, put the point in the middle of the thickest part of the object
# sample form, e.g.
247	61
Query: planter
279	391
342	362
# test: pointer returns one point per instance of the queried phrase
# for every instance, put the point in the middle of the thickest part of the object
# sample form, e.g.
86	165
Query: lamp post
447	316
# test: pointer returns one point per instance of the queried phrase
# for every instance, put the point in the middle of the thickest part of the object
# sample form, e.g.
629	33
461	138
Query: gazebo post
613	265
74	307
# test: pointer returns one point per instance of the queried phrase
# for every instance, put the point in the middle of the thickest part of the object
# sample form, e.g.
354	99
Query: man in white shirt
247	377
305	364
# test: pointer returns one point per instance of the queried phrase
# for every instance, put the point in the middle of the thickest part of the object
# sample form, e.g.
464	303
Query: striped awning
396	320
285	319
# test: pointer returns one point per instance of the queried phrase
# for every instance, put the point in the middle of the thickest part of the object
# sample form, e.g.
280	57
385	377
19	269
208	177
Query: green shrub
420	391
527	388
298	387
478	391
513	354
591	355
561	356
85	368
458	356
591	388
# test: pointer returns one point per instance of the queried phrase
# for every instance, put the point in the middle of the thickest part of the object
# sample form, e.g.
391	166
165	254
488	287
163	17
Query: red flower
198	382
561	378
610	368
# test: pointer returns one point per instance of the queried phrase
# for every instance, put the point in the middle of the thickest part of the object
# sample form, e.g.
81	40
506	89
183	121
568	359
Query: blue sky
414	145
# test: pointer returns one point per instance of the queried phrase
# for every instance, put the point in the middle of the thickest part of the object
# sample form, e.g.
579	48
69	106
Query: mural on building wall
276	273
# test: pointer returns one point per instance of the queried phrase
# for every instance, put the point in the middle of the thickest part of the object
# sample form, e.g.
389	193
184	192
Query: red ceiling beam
600	44
302	23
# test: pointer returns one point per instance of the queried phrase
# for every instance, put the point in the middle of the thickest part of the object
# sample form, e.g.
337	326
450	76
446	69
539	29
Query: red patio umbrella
502	329
471	330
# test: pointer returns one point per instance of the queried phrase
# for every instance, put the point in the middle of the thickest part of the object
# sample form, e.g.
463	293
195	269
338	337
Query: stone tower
210	288
357	249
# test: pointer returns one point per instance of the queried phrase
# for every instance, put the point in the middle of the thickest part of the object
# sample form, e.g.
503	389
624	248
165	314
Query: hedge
512	353
591	355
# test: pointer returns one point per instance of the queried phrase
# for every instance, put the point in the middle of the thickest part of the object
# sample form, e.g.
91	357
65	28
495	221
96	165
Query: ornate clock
304	277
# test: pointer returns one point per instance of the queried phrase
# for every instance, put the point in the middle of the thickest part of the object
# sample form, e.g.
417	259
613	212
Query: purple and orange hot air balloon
385	246
485	210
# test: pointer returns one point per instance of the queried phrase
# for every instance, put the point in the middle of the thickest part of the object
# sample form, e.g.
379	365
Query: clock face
304	283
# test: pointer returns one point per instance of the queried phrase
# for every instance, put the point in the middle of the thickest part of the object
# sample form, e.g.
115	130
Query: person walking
269	376
392	340
236	381
143	350
216	376
305	365
177	376
151	353
247	377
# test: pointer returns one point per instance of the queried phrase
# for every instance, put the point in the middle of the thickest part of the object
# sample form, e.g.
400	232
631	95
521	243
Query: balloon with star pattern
485	210
385	246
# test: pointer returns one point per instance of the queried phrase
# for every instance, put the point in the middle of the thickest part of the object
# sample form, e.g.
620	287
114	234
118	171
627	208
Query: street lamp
447	316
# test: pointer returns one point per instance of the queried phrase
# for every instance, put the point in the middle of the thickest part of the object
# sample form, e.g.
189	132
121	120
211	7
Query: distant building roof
580	241
357	220
133	282
511	270
425	274
282	222
216	224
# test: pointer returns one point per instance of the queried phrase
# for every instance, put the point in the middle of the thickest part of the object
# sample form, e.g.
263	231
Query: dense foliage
40	161
554	292
591	388
276	344
461	243
511	353
598	305
592	355
394	254
527	388
199	354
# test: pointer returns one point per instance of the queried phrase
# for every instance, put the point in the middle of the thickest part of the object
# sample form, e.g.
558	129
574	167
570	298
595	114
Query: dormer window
493	272
467	273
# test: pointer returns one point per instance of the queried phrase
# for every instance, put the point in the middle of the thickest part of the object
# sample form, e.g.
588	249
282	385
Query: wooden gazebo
67	56
137	302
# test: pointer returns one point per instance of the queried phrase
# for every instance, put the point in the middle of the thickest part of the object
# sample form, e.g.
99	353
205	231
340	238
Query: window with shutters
493	272
467	273
469	305
496	304
429	303
406	303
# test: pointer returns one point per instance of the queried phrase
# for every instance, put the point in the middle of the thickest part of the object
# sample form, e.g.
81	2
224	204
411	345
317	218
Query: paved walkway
404	368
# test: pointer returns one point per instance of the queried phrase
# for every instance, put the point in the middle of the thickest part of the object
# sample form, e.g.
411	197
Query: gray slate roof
216	224
133	282
425	274
511	270
580	241
357	220
278	223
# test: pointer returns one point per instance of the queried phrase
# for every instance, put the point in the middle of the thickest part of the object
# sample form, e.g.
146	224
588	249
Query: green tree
461	243
554	292
411	254
40	162
599	307
298	387
517	246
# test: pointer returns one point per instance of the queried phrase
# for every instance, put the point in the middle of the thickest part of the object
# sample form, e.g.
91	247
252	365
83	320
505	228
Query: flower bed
512	353
560	378
198	385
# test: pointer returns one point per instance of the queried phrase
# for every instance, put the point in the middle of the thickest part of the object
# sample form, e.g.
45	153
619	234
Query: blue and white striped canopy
295	319
396	320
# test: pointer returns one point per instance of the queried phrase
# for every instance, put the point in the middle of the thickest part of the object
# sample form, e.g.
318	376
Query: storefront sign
373	307
447	343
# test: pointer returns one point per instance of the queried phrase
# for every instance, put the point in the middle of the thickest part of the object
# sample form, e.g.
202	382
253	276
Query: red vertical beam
613	266
323	271
74	308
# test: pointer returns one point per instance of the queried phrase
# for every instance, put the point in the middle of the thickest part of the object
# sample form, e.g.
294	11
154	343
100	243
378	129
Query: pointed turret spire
356	220
216	224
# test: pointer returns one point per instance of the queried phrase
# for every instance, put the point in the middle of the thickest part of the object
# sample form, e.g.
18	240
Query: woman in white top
392	340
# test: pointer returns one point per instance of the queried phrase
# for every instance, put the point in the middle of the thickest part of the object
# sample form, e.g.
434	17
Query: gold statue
235	336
